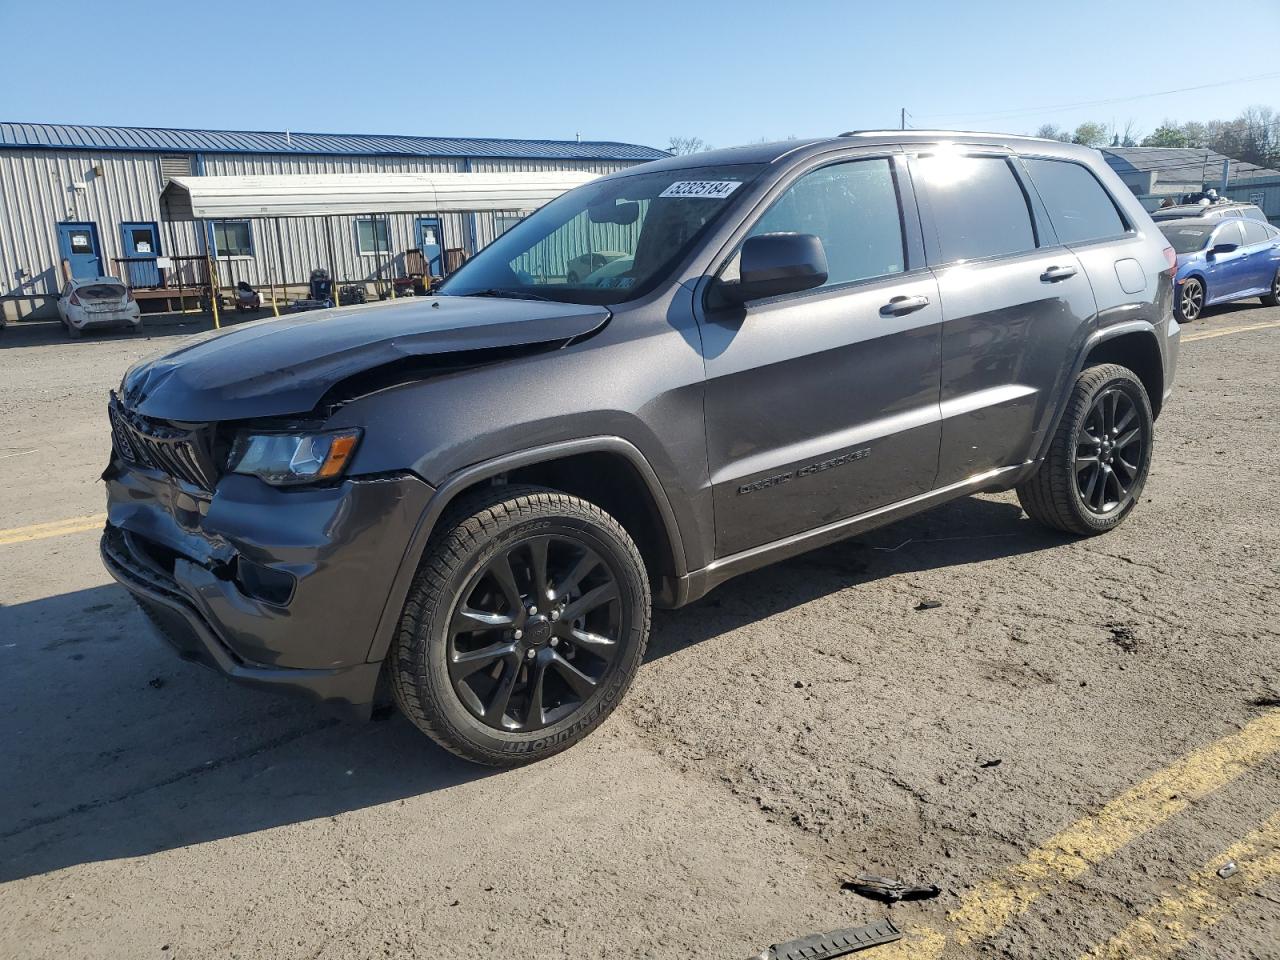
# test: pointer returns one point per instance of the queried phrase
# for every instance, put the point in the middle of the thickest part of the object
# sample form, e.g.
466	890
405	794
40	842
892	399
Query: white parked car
89	303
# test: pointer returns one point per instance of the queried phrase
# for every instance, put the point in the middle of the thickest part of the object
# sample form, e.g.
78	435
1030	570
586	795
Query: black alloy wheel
535	633
1190	300
1110	452
524	627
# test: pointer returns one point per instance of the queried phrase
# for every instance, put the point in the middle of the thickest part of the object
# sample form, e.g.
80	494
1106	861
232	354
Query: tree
1091	134
1168	134
682	146
1050	132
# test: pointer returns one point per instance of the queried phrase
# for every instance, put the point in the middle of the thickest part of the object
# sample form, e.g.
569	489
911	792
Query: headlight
286	458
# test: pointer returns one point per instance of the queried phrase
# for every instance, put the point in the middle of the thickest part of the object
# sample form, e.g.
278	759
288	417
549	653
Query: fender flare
1098	336
486	469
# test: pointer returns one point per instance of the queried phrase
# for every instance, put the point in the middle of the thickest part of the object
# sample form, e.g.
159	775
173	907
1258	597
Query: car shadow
115	748
965	531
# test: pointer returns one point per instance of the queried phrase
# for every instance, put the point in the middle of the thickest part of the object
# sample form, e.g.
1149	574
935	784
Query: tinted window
231	238
1229	232
1254	232
1079	207
1254	213
853	209
978	206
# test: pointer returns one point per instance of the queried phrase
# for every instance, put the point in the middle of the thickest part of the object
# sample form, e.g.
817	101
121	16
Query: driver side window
853	209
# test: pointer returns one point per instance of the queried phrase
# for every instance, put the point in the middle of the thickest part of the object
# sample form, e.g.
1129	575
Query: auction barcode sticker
702	189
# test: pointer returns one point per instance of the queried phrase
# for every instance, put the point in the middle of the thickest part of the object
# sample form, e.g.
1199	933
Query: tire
486	713
73	332
572	278
1190	300
1272	299
1059	494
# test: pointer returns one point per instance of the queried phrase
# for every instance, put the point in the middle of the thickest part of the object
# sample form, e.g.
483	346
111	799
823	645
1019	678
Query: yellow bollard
213	293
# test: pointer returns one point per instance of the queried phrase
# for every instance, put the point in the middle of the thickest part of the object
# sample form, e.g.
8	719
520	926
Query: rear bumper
278	588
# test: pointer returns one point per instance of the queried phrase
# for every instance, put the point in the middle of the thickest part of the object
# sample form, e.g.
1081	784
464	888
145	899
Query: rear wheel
1190	300
1098	460
73	332
1272	299
524	627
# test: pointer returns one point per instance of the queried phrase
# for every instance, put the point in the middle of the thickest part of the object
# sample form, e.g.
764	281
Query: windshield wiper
513	294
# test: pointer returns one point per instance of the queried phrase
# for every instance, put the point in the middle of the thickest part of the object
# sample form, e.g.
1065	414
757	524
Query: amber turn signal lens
340	451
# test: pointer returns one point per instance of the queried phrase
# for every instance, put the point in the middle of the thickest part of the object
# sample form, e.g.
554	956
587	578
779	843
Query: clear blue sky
638	71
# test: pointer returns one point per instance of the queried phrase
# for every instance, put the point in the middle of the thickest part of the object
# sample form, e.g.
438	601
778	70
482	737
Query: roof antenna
578	137
288	139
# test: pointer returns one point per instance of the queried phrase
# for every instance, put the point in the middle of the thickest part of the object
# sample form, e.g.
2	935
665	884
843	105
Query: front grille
177	451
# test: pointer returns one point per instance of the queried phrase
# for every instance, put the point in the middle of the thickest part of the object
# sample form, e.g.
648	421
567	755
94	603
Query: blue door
141	245
431	243
1258	254
1228	271
78	244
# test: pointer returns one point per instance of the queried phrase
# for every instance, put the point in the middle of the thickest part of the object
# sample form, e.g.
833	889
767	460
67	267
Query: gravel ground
801	723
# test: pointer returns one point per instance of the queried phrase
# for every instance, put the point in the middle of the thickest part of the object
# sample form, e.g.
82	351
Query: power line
1002	114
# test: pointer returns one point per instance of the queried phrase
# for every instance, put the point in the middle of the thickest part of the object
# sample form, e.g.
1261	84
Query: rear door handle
900	306
1054	274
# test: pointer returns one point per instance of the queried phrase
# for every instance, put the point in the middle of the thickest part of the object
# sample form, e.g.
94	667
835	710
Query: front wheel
1190	300
1098	460
525	625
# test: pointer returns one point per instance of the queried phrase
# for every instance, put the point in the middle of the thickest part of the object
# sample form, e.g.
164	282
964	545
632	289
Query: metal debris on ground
837	943
1228	869
928	604
889	889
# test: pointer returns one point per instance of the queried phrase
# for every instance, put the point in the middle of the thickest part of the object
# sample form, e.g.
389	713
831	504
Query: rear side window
1080	209
1254	213
978	206
853	209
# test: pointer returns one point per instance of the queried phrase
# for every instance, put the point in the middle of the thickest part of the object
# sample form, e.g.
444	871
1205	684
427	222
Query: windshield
1187	239
605	242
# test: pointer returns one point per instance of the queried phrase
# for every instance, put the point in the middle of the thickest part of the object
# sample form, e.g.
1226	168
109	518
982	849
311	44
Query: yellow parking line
54	528
1093	838
993	904
1210	334
1192	907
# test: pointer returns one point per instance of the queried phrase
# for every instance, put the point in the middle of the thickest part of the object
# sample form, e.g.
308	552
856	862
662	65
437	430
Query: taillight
1171	258
75	299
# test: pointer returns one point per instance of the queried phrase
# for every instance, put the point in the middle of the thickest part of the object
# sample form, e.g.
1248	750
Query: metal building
90	196
1154	173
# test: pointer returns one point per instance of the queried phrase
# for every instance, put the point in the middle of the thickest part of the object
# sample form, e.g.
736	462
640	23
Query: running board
700	582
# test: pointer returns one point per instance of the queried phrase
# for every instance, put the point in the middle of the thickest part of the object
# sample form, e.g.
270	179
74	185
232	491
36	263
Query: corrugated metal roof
154	139
1188	163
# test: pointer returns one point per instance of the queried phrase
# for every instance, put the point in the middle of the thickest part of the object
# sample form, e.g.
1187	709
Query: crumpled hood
284	366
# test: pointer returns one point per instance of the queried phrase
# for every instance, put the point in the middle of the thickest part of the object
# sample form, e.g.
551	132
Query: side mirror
776	263
1219	248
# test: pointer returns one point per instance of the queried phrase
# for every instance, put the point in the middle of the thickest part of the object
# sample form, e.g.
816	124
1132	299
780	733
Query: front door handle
900	306
1054	274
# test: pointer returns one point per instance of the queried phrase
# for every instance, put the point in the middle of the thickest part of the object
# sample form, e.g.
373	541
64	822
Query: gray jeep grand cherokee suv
479	495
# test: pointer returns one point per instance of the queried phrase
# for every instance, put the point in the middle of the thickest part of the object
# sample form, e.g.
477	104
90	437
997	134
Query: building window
371	236
502	222
231	238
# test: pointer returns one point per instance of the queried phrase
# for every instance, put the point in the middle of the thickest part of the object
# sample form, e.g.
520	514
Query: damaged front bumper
275	587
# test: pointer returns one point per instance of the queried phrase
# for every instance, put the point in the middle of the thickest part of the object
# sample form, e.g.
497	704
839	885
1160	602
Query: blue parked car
1223	260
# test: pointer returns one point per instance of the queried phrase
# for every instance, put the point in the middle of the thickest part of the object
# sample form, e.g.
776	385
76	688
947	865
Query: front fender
479	472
